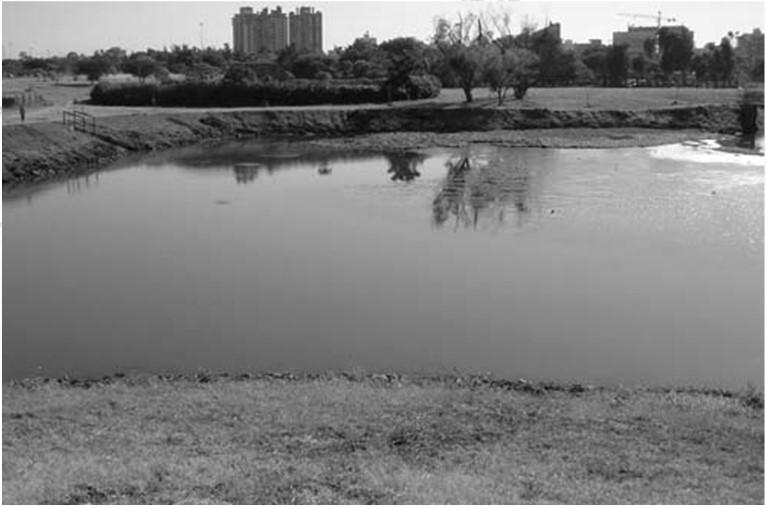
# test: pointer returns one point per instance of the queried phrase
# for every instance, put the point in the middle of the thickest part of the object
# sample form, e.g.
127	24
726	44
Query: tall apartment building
265	31
306	30
262	31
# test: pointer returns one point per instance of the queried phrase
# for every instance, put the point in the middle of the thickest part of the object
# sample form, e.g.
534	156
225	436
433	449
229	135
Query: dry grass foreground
376	439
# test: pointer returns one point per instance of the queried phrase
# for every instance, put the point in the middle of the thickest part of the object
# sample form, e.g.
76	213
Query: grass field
600	98
376	439
58	98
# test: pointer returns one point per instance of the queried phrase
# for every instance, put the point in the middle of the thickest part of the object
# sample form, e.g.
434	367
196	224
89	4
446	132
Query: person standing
22	111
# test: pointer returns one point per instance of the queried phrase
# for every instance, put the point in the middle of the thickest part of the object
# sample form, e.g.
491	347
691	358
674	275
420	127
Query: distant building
269	31
259	32
553	29
306	30
636	36
580	47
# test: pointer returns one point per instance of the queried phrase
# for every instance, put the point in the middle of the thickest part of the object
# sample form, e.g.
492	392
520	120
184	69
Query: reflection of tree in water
246	172
403	165
324	168
79	184
475	187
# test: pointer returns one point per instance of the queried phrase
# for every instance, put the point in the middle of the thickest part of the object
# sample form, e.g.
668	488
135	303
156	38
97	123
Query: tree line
470	51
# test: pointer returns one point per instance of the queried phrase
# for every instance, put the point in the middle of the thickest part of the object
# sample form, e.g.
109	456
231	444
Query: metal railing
80	120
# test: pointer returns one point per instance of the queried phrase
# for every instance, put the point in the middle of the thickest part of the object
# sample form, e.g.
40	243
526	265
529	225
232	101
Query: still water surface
607	266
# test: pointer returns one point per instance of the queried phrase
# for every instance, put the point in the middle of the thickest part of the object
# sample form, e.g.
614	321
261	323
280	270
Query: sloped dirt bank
44	150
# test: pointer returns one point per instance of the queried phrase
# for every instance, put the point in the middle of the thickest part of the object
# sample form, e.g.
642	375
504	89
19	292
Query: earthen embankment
44	150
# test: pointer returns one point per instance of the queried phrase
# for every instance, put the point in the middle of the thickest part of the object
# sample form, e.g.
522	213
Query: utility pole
201	35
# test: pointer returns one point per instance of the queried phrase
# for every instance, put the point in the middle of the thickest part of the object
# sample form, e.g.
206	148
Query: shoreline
748	393
357	437
42	151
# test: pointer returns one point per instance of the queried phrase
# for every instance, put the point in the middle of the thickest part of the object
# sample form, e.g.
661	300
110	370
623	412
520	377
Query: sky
55	28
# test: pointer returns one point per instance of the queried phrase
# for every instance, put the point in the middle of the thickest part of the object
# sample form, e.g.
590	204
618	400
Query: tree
650	47
362	59
595	60
617	64
115	55
556	66
676	50
403	56
497	72
462	46
307	66
722	65
525	67
363	48
700	65
202	72
749	56
141	65
182	58
94	67
583	75
12	67
286	57
638	65
516	69
240	73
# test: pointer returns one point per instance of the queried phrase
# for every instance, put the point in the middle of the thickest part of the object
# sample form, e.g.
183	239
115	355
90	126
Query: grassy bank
356	438
44	150
60	97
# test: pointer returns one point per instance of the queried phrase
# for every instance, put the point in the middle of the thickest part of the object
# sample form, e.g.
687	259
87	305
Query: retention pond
640	265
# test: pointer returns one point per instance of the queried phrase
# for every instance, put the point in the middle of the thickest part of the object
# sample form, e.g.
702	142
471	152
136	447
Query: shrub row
228	94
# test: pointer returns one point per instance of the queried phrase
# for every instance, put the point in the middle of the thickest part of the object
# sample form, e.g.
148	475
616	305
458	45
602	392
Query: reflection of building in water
246	172
403	165
475	188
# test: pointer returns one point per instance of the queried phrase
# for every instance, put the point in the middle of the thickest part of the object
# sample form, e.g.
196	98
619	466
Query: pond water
641	265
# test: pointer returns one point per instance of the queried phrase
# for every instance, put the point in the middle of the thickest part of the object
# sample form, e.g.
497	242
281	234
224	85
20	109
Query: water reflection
304	272
324	168
483	187
403	166
27	192
247	172
83	183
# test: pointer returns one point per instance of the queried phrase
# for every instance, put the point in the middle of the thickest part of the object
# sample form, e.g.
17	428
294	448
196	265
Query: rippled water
608	266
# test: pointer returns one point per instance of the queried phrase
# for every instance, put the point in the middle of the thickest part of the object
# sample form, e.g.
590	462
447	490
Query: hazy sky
44	28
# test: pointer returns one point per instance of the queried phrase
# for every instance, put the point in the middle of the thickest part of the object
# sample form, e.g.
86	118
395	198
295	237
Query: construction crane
658	17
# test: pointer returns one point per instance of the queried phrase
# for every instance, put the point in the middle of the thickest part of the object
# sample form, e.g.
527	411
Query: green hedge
227	94
421	86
